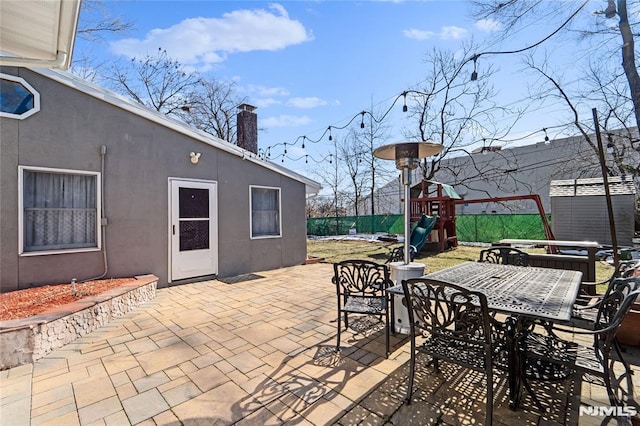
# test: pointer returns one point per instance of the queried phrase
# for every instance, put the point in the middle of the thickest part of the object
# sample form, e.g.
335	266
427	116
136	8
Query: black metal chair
397	254
545	355
585	310
361	287
505	256
453	324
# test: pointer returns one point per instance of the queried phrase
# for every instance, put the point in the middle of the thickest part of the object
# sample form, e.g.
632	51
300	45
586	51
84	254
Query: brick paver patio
259	352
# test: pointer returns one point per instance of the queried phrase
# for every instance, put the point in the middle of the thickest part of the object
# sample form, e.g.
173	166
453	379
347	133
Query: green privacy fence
323	226
485	228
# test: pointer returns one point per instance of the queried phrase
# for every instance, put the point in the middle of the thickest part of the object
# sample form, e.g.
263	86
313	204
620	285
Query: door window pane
194	203
194	235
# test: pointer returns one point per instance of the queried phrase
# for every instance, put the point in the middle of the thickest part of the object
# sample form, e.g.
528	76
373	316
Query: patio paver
259	352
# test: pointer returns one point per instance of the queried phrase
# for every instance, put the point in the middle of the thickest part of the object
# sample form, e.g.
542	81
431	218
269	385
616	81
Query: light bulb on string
285	147
330	136
546	137
306	159
474	74
303	138
404	107
330	158
362	122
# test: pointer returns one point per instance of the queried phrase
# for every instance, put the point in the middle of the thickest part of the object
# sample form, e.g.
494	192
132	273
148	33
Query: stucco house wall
144	150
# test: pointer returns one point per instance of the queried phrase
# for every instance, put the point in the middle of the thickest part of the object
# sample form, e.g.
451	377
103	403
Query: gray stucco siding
68	132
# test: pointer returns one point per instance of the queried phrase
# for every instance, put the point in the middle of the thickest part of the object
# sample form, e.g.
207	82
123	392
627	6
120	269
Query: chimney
247	128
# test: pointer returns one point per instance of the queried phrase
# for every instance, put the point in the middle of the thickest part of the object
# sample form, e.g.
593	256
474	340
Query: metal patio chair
504	256
397	254
453	324
586	308
361	287
548	357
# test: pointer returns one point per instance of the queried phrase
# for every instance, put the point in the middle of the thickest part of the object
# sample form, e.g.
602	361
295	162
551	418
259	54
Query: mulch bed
33	301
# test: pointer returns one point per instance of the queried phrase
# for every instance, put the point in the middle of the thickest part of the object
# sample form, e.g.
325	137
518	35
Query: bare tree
455	112
163	84
159	82
212	107
96	22
374	134
350	155
517	14
328	173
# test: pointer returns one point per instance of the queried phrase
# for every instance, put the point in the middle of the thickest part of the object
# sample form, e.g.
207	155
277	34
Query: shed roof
105	95
618	185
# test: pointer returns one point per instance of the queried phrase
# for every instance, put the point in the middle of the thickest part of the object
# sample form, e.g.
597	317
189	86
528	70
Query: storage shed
579	209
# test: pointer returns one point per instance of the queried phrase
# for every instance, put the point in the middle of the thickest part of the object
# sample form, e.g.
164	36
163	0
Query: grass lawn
378	251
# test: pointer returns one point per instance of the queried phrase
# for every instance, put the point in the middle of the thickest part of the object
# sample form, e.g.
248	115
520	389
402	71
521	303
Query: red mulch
32	301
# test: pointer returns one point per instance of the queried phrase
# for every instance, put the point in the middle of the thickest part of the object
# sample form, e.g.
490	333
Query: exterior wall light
195	157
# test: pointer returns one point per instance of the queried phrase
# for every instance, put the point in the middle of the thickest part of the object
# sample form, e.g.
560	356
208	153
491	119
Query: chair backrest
627	268
361	277
439	308
614	299
397	254
505	256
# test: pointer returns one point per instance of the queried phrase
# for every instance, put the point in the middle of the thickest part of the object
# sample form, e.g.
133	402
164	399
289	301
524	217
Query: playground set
442	207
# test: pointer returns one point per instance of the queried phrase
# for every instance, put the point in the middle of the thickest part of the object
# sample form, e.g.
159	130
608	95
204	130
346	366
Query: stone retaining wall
27	340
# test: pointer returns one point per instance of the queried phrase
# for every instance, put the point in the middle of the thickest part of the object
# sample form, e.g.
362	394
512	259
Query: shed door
194	240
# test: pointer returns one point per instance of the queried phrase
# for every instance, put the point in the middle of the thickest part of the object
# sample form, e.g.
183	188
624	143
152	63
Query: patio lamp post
407	156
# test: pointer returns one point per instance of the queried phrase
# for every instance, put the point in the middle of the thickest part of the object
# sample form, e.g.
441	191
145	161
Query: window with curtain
60	210
265	212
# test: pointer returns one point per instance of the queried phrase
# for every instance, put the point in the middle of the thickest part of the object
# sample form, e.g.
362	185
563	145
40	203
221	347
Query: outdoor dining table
523	293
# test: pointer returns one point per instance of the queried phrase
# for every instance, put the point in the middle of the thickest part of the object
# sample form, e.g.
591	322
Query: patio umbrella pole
607	192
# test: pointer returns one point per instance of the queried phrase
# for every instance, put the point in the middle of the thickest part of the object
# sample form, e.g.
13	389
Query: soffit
38	32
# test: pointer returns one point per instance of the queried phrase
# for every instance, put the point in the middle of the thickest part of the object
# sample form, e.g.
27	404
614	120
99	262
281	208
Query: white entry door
194	237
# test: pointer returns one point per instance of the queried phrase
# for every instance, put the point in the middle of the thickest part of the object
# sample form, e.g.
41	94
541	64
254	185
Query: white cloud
266	102
267	91
305	103
488	25
446	33
285	121
201	41
418	34
453	33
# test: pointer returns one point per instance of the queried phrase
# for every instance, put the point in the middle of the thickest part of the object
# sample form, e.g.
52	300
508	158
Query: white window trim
262	237
21	170
34	92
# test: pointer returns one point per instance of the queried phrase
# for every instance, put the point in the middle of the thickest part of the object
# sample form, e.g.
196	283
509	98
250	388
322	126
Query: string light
474	76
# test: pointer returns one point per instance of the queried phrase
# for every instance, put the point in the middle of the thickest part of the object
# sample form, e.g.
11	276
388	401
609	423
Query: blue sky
308	65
